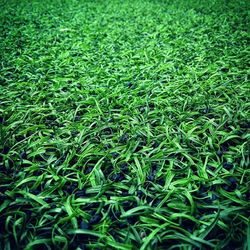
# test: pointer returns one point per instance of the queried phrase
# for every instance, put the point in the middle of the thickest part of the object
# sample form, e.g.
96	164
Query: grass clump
124	125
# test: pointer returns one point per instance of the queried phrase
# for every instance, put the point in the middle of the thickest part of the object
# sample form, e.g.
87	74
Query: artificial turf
124	124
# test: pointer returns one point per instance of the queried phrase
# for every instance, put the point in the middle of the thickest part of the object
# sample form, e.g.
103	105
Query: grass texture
124	124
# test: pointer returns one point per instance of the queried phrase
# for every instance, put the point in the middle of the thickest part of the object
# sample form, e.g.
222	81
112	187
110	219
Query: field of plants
124	124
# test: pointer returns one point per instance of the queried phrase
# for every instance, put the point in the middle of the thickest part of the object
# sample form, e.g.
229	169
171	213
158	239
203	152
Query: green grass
124	124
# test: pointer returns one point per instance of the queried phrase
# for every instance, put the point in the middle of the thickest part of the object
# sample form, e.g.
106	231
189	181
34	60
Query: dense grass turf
124	124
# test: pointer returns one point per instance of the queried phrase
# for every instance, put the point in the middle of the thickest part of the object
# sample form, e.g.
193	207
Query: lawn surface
124	124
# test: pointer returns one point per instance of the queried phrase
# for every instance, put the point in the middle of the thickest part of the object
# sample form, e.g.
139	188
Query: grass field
124	124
